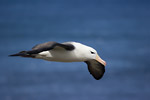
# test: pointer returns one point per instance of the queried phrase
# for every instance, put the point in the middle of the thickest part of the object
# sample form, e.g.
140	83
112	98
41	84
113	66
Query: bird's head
92	54
87	53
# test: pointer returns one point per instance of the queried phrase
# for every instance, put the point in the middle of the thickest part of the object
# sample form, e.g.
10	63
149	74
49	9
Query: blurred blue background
118	29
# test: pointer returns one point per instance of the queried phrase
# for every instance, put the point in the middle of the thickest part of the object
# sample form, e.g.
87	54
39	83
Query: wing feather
96	69
44	47
49	46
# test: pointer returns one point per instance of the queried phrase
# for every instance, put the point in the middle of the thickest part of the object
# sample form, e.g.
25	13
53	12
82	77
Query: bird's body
68	52
59	54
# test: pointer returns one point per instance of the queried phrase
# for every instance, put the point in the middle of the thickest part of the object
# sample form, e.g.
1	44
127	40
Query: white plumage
68	52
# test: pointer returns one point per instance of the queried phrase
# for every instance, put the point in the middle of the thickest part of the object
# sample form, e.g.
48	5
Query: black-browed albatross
68	52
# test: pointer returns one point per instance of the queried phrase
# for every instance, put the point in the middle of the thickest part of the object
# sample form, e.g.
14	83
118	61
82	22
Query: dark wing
44	47
95	68
49	46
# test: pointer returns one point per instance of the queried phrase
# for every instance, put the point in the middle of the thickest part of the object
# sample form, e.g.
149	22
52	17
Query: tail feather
23	54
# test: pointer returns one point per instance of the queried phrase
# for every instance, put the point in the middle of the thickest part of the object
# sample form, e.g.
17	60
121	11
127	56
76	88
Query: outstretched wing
49	46
44	47
95	68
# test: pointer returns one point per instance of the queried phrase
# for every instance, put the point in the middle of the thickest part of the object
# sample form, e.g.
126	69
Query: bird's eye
92	52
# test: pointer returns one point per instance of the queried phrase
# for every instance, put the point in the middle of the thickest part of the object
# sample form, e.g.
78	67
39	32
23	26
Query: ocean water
118	29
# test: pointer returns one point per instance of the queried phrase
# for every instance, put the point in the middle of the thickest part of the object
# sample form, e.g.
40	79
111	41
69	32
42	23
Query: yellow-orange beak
100	60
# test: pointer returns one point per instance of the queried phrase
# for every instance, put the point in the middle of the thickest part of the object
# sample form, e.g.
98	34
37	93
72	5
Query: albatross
68	52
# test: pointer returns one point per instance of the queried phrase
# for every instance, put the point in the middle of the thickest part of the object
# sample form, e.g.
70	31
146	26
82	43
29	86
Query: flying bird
68	52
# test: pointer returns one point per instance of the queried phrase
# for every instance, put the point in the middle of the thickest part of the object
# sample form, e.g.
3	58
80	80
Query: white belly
59	56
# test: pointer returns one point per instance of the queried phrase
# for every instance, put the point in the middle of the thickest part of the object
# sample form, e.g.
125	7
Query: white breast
61	55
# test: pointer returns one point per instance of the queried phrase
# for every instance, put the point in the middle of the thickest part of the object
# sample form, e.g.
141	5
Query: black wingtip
18	54
11	55
96	69
22	54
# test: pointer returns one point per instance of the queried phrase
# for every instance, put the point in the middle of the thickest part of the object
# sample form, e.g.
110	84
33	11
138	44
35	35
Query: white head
88	53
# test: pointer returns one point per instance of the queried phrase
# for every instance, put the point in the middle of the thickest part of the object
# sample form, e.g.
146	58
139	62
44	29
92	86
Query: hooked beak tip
100	60
104	63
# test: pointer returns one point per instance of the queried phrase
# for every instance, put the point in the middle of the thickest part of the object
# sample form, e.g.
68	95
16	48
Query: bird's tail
23	54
